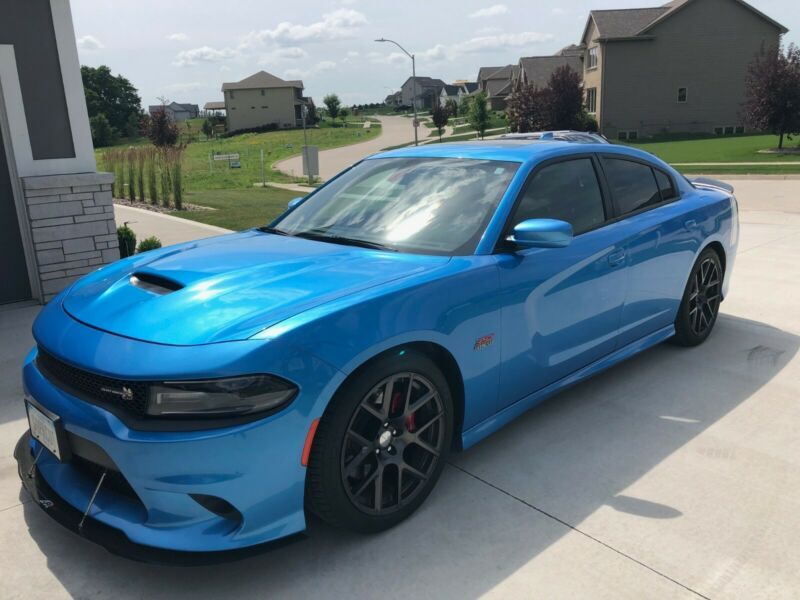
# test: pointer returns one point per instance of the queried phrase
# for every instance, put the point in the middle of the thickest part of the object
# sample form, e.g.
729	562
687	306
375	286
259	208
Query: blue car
201	399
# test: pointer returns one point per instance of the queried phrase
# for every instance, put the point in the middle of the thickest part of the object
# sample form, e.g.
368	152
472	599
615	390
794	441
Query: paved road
675	474
394	131
170	230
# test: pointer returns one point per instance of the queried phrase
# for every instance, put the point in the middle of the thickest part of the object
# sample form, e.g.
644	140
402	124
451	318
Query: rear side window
633	184
568	191
664	185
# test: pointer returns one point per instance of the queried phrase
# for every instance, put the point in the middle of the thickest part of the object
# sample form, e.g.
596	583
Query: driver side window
566	190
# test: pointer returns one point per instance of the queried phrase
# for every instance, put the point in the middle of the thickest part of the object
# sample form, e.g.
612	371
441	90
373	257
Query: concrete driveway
394	131
675	474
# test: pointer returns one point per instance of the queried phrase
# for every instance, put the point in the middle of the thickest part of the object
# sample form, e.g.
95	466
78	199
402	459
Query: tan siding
248	108
705	47
593	78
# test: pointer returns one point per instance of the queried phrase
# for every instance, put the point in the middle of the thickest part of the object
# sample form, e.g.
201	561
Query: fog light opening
218	506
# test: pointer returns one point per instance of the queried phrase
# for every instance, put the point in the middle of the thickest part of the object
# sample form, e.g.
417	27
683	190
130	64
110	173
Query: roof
470	86
538	69
174	106
522	151
214	106
451	90
484	72
634	22
261	80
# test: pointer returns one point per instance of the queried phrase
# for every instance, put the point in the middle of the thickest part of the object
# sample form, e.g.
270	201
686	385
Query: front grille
130	396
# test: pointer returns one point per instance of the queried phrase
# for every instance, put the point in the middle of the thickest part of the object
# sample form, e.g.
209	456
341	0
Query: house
177	112
679	67
449	92
56	212
467	89
427	91
394	100
537	70
213	109
262	100
496	83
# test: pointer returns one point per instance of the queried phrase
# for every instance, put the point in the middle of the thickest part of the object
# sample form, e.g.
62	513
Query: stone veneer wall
72	226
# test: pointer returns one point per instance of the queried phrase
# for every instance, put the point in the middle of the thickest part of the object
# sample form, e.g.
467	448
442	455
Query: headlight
220	397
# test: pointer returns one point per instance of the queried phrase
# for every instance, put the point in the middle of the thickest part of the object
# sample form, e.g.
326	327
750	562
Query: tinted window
568	191
664	185
632	183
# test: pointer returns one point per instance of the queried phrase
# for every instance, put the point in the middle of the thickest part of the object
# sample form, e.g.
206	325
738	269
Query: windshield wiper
338	239
267	229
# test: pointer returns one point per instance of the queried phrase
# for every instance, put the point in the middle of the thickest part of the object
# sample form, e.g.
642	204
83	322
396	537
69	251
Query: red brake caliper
410	420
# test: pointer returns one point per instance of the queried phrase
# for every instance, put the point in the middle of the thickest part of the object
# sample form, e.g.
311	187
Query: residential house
679	67
537	70
394	100
467	89
496	83
427	91
56	211
449	92
176	111
263	99
213	109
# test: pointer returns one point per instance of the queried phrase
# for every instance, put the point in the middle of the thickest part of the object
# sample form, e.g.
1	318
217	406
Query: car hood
230	287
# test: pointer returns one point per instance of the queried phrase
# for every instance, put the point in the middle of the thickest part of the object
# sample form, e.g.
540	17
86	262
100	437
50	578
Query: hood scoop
155	284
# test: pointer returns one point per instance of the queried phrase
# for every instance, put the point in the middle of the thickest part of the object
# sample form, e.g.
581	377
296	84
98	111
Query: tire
701	299
353	451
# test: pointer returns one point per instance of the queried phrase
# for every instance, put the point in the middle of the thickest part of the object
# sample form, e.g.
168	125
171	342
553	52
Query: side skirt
476	433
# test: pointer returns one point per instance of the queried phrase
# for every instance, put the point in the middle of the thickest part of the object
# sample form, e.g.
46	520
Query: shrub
151	243
259	129
102	133
127	241
163	130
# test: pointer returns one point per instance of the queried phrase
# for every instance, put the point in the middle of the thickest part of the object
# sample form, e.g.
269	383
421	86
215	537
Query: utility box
311	161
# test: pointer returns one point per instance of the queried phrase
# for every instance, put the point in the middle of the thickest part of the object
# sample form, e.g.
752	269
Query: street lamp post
413	84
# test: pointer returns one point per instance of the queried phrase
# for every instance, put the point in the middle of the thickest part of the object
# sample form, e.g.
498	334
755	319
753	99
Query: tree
109	95
479	113
772	92
333	104
163	130
566	99
440	117
520	108
451	106
343	114
102	133
207	128
463	105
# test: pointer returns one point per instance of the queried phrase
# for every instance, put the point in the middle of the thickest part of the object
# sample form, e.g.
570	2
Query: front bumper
108	537
254	467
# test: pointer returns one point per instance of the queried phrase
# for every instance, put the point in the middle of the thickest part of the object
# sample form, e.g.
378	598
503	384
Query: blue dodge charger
198	400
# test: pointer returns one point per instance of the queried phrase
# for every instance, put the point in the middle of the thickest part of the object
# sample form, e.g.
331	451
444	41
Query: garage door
14	284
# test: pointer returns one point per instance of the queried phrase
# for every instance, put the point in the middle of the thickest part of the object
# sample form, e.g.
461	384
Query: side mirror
295	201
542	233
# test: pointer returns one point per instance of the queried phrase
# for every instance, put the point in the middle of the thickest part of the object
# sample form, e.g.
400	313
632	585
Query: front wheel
381	445
701	298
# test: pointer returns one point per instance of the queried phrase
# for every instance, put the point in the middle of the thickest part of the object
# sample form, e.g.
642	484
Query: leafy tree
207	128
102	133
113	96
132	126
163	130
312	118
773	92
566	99
520	108
343	114
463	105
333	104
440	118
479	113
451	106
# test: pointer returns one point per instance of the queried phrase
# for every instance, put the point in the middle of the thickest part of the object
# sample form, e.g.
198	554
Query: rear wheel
380	447
701	299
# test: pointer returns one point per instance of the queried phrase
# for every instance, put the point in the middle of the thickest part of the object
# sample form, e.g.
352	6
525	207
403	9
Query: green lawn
742	148
238	209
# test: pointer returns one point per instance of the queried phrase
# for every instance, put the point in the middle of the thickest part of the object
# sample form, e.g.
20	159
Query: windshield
419	205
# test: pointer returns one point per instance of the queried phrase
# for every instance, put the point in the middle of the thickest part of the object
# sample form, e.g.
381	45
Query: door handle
690	224
616	258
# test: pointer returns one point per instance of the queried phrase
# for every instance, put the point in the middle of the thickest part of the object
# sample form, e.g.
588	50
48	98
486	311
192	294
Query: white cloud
204	54
490	11
502	40
184	88
557	11
292	52
325	65
339	24
178	37
89	43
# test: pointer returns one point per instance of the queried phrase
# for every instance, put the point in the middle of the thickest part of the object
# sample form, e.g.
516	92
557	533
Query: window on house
263	92
232	96
718	130
633	135
592	64
622	135
683	94
739	129
591	100
729	130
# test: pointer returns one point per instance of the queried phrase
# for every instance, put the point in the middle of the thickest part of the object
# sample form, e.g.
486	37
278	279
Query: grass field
718	149
238	209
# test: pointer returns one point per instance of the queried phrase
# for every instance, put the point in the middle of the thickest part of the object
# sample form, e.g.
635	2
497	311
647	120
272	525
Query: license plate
43	429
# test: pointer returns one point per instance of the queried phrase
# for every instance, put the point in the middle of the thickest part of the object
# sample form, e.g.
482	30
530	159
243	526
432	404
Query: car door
659	243
561	306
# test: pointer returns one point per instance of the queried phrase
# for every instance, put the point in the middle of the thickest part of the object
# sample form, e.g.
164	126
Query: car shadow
500	504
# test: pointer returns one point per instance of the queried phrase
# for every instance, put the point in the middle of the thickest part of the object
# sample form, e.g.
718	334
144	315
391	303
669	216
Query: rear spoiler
707	182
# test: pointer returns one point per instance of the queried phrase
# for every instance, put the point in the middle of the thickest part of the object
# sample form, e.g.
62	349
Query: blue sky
184	50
